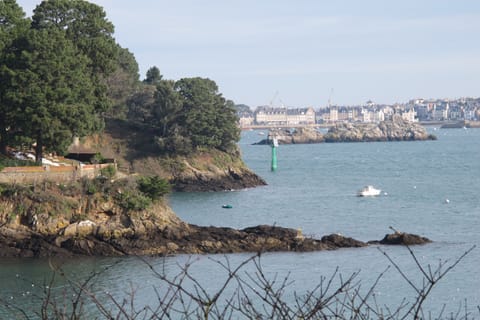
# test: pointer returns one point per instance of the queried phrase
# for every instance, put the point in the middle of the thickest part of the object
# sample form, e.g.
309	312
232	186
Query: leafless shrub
244	294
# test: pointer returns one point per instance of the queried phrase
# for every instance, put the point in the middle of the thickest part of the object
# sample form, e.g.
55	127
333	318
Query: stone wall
51	173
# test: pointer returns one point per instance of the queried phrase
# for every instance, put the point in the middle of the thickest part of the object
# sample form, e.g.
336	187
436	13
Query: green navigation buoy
274	154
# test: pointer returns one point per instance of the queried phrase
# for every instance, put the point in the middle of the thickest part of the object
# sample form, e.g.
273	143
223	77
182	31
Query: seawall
51	173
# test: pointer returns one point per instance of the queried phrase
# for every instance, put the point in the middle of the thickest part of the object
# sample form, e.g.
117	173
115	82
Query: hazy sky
306	50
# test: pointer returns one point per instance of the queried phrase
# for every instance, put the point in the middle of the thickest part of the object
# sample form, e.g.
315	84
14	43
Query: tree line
62	73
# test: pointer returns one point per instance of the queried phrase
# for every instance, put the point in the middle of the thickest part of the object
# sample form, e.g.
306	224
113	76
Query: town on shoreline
457	112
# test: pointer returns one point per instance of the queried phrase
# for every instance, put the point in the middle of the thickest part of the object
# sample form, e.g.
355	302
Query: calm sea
314	190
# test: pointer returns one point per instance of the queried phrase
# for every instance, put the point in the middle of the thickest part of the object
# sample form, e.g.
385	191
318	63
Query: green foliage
140	104
90	187
13	24
86	25
166	108
9	162
122	83
54	74
108	171
55	95
154	187
131	200
153	76
173	165
97	158
60	70
243	108
190	114
14	190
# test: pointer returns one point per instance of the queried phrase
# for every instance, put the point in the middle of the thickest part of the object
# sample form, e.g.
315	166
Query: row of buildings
414	110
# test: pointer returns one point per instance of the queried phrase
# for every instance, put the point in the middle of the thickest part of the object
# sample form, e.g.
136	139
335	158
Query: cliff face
54	219
210	170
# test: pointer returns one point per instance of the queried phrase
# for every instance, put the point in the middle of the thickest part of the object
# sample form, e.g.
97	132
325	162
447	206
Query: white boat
368	191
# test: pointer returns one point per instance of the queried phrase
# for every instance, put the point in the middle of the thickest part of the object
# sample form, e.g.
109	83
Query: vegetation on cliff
63	75
53	72
91	217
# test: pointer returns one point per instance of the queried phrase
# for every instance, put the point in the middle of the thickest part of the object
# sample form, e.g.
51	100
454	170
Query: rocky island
295	136
396	129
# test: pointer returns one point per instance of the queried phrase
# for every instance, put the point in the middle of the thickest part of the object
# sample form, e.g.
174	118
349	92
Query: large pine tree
57	73
56	96
12	25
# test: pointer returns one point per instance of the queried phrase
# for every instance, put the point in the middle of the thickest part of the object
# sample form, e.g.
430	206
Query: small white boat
368	191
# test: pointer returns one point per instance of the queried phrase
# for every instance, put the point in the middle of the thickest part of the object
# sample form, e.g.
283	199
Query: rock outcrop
402	238
109	220
294	136
176	239
216	180
394	130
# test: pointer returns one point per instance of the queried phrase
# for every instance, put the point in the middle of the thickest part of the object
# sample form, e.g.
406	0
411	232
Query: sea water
430	188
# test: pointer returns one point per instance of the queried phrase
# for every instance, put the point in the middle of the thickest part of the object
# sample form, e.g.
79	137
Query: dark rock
189	239
232	180
339	241
402	238
25	244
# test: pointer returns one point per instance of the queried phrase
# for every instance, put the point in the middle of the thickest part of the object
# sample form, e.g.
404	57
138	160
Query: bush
97	158
91	188
154	187
109	171
8	162
132	201
256	295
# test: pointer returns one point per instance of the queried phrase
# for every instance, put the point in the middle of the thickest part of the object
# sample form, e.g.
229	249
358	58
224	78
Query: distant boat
227	206
368	191
261	133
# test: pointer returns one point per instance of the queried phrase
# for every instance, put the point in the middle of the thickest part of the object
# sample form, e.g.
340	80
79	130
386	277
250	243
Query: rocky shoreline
230	179
106	218
189	240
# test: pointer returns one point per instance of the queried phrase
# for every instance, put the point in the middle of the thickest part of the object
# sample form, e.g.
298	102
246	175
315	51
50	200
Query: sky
306	52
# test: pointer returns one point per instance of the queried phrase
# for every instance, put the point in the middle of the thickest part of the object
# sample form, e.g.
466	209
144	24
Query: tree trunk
3	140
39	150
3	146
